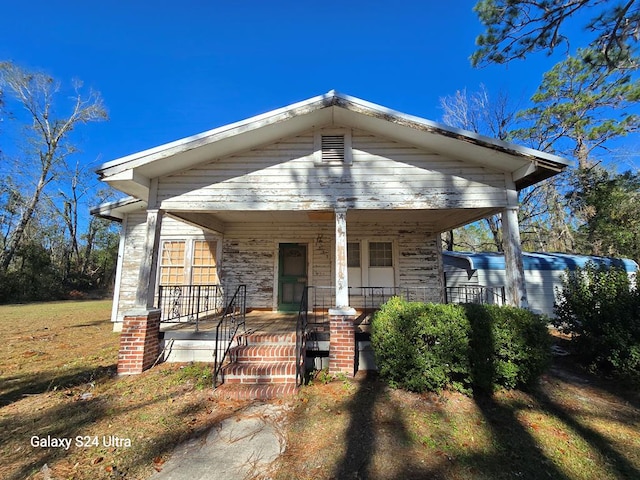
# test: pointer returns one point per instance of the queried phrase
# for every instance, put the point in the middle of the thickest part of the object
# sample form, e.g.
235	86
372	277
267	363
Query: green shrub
601	311
422	347
510	346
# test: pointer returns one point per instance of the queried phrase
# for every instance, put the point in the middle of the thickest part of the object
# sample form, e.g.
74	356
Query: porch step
262	366
255	392
263	353
260	372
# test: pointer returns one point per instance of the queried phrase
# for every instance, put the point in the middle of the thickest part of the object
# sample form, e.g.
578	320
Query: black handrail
301	337
233	317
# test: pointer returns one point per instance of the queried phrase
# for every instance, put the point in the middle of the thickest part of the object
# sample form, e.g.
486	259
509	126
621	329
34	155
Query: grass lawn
57	379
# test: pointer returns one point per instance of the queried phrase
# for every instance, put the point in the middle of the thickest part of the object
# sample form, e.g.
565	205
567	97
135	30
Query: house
468	274
332	192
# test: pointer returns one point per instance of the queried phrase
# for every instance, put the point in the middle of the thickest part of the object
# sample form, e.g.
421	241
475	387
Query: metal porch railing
189	303
233	317
475	294
317	300
301	337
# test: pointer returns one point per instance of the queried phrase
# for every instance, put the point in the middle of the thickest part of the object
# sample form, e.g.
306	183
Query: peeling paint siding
283	176
250	254
134	240
250	250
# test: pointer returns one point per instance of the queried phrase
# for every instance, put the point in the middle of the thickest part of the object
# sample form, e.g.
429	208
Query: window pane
380	254
204	263
172	263
353	255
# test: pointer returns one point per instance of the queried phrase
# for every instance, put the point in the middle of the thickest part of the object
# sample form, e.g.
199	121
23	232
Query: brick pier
342	344
139	341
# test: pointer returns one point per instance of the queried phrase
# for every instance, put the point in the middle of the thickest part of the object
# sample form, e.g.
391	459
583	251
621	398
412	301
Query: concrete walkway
239	448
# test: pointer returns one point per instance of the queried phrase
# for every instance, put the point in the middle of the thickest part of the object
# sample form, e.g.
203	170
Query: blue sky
169	69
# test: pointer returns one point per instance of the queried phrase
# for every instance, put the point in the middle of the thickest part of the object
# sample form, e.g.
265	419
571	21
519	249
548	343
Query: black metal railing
364	299
233	317
189	303
371	298
301	337
319	301
475	294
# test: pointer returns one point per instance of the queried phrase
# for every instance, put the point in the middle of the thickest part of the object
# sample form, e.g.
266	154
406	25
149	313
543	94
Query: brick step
268	338
263	353
259	372
255	392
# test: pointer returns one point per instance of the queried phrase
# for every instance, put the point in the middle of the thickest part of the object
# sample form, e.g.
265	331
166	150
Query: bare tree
480	113
48	136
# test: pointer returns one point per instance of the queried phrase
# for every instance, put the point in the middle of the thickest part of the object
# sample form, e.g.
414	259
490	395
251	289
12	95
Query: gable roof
132	174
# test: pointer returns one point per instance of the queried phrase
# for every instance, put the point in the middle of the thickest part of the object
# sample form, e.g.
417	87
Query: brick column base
139	341
342	344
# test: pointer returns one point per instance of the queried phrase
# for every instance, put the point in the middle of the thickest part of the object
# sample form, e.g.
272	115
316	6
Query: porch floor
259	321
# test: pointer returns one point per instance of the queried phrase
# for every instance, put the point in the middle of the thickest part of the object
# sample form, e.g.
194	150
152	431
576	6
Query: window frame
189	265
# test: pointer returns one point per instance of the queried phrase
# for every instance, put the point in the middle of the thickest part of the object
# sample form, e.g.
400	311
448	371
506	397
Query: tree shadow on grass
616	461
16	387
74	417
361	434
517	453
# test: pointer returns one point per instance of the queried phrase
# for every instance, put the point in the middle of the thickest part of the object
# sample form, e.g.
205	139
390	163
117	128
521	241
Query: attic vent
332	148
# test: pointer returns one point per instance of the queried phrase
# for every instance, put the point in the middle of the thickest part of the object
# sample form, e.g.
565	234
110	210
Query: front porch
195	335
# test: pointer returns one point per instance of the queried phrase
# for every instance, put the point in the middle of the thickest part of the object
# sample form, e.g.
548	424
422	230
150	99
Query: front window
380	254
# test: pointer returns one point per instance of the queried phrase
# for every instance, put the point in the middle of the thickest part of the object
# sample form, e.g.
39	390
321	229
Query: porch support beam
342	276
516	291
342	336
149	264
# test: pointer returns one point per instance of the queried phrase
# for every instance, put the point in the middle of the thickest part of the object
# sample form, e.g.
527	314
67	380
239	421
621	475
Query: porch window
172	263
353	255
203	271
188	262
380	254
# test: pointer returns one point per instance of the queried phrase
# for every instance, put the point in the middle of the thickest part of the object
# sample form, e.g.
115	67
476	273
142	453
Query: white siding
134	240
250	255
284	176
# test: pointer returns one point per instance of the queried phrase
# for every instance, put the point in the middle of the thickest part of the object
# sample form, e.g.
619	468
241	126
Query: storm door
292	276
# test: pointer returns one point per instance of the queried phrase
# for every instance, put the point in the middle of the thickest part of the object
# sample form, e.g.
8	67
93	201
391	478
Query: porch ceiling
437	220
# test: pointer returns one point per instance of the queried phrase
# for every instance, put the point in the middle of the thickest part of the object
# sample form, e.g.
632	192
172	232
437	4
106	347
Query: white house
331	192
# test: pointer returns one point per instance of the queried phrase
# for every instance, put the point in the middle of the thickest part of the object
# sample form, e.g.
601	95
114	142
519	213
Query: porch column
140	337
149	263
516	291
342	276
342	340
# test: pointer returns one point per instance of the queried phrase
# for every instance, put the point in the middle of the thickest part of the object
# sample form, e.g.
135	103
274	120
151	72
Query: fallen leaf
97	460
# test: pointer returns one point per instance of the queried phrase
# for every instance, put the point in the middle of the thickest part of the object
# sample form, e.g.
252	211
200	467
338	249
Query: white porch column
516	291
342	277
149	265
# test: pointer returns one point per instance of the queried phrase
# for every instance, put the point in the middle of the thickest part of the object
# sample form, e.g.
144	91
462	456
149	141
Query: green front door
292	276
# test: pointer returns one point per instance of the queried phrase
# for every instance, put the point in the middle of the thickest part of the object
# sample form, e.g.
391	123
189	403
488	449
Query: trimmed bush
510	347
600	310
429	347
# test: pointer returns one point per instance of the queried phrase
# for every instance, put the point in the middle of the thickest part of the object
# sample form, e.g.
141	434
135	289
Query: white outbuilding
470	276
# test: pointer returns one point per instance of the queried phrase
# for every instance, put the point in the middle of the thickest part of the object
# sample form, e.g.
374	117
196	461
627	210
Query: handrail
233	317
301	337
